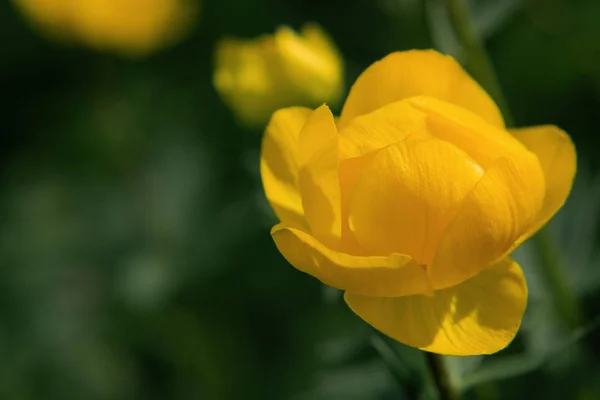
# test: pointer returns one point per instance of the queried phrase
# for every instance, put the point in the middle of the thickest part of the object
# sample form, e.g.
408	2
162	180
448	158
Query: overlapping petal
557	156
394	275
479	316
501	207
406	74
484	142
350	172
311	62
359	143
318	177
408	194
279	164
388	125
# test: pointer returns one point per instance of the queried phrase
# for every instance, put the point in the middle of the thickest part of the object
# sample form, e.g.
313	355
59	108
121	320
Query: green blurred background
134	244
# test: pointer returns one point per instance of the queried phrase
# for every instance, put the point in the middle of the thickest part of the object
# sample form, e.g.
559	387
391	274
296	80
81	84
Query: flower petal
406	74
350	172
501	207
279	164
484	142
308	64
396	275
248	80
558	159
408	195
359	142
320	41
318	177
479	316
387	125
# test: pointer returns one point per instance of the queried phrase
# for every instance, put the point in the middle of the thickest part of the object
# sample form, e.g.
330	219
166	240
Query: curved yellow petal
248	80
484	142
558	159
408	195
318	177
110	25
311	62
350	172
501	207
320	41
279	164
359	142
396	275
387	125
479	316
413	73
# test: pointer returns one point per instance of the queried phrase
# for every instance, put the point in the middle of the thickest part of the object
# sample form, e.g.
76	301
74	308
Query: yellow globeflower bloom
130	27
257	77
412	201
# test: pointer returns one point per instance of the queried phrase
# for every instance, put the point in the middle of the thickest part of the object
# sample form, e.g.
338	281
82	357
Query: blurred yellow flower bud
128	27
256	77
412	201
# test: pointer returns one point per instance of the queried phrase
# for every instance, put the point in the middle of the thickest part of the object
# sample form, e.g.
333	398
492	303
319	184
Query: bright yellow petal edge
479	316
405	74
318	176
279	164
558	159
395	275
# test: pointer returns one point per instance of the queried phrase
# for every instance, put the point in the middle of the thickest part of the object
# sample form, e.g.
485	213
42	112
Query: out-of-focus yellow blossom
257	77
412	201
129	27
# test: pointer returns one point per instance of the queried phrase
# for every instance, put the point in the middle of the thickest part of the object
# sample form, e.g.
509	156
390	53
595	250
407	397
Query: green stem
477	60
404	376
441	378
478	63
391	360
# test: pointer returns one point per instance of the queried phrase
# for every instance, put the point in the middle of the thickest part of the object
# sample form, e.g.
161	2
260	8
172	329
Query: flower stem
477	60
441	378
478	63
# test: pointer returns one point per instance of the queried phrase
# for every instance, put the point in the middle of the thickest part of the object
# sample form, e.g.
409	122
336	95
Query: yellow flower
256	77
412	201
129	27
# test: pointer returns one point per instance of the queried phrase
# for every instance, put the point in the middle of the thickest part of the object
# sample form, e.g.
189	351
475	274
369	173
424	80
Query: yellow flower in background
257	77
412	201
129	27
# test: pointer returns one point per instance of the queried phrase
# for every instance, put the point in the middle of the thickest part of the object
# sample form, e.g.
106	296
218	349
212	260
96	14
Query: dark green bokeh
135	248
